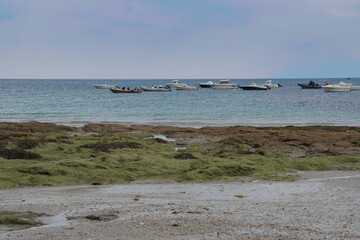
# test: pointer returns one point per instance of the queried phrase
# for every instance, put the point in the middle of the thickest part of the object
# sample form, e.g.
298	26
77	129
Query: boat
224	84
174	84
254	86
103	86
338	87
125	90
355	88
206	85
272	85
310	85
156	88
187	87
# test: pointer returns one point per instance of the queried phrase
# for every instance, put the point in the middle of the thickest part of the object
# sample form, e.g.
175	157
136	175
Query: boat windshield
223	82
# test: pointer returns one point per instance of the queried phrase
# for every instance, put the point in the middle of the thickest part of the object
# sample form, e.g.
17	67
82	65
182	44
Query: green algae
110	158
19	218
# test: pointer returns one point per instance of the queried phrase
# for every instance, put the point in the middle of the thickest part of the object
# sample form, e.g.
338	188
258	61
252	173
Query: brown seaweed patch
92	217
73	164
39	170
105	147
185	156
51	140
27	143
18	154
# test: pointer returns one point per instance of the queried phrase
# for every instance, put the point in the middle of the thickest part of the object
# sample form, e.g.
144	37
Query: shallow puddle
163	137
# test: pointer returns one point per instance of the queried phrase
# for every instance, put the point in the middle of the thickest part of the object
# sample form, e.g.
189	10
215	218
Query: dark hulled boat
310	85
125	90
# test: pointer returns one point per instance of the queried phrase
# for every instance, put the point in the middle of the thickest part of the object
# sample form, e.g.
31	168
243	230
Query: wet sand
321	205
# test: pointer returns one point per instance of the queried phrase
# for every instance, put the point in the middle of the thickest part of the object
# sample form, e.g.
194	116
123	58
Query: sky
168	39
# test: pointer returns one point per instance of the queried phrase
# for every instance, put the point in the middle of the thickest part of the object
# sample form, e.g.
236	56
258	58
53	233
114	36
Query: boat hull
224	87
307	86
336	89
204	85
149	89
187	88
116	90
254	88
101	86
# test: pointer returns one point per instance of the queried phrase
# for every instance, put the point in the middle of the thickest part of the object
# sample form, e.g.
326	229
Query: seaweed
27	143
185	156
18	154
105	147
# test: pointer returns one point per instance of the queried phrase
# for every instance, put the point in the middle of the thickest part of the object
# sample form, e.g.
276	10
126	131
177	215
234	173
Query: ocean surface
77	102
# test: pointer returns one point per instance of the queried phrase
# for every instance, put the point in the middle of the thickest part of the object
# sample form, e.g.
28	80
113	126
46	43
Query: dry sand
322	205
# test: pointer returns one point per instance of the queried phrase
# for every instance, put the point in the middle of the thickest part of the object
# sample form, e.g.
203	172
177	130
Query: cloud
343	8
165	38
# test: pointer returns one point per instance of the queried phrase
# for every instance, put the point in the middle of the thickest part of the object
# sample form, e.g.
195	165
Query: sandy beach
322	205
314	205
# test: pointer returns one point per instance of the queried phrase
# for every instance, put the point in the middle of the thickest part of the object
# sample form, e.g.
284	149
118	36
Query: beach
320	205
237	205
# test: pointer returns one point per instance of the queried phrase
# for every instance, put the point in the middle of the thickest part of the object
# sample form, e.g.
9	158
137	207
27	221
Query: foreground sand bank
322	205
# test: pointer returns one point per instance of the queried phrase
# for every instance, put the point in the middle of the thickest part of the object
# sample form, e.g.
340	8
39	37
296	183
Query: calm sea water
77	102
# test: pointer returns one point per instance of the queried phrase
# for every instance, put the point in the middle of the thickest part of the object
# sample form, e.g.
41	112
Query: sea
77	102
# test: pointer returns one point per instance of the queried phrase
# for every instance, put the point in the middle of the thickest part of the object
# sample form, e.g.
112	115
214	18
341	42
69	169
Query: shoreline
187	124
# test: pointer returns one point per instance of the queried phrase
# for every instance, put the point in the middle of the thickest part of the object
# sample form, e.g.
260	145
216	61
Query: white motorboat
338	87
206	85
187	87
156	88
272	85
355	88
254	86
175	83
103	86
224	84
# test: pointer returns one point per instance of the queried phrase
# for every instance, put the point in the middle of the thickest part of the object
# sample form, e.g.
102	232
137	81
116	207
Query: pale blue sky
179	38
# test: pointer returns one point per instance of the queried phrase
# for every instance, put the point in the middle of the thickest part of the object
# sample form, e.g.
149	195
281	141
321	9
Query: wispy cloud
165	38
343	8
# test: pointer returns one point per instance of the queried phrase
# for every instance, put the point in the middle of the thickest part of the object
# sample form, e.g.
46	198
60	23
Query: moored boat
254	86
355	88
206	85
104	86
338	87
269	84
175	83
186	87
125	90
156	88
224	84
310	85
